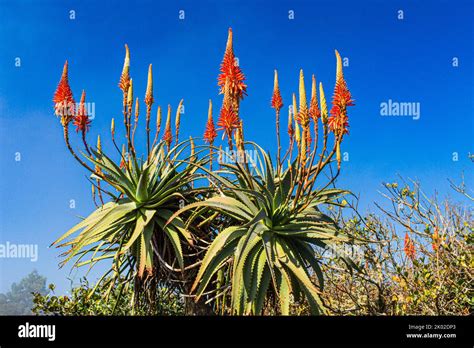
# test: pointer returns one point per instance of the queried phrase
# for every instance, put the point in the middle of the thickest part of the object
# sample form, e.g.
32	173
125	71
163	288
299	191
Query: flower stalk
148	102
277	104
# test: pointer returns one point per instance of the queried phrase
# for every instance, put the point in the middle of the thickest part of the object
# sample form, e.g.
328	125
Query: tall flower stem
131	149
277	104
126	122
229	141
100	192
321	164
148	112
289	151
277	115
316	135
178	121
158	126
210	156
135	122
85	143
66	140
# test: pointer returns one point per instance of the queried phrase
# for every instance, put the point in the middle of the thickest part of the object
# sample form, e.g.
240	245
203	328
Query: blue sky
407	60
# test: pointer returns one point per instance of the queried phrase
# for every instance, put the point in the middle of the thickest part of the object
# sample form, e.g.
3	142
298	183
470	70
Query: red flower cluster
314	110
124	82
210	133
81	120
230	70
168	136
409	247
338	121
277	101
228	120
63	99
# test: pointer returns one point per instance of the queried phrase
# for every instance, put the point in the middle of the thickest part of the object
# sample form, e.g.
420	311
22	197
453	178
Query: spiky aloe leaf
223	238
144	218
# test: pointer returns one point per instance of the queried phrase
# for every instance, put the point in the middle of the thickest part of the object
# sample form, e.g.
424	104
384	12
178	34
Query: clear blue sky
407	60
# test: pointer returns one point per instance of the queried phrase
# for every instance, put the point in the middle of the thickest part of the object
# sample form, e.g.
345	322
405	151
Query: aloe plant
268	247
252	231
131	229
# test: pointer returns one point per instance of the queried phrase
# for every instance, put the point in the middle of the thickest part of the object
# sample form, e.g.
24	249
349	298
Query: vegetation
87	300
427	270
251	235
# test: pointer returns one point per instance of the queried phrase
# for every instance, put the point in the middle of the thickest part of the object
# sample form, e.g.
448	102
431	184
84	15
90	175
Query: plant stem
277	114
148	112
66	139
85	143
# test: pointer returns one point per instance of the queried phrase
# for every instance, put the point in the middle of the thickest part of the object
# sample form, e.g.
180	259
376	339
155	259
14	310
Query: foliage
131	229
437	280
256	224
270	237
256	236
86	300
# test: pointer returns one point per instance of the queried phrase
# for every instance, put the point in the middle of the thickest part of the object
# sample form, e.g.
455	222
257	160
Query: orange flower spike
149	88
303	113
277	101
291	131
314	111
63	99
228	119
178	119
230	70
297	134
99	145
210	133
112	127
129	104
130	94
304	142
125	76
324	107
295	108
338	122
339	73
137	109
227	122
168	136
158	120
295	117
99	151
303	116
81	120
297	127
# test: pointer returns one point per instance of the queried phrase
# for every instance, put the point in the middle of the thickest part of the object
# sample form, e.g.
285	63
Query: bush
87	300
